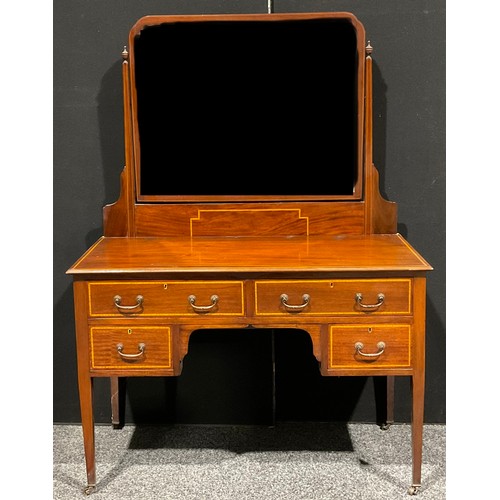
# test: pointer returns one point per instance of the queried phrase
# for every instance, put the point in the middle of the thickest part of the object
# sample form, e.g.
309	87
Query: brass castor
89	489
413	489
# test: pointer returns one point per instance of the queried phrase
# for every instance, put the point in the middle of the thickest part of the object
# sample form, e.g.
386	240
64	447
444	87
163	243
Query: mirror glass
229	108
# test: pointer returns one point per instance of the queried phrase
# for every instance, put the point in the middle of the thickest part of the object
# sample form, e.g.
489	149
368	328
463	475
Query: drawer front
361	346
329	297
113	347
166	298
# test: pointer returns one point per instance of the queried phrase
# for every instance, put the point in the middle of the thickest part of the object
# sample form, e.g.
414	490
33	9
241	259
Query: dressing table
249	199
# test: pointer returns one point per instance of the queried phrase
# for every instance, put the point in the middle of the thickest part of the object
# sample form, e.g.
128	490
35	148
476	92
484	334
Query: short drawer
166	298
329	297
113	347
361	346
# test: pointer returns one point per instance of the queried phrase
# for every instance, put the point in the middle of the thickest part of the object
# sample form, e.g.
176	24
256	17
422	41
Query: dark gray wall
227	377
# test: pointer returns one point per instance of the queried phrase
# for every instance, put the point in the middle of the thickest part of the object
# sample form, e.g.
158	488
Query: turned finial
369	49
125	52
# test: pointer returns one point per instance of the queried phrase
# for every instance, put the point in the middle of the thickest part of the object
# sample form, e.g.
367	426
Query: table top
389	253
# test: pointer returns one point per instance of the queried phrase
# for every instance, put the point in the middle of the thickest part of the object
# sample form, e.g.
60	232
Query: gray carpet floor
292	461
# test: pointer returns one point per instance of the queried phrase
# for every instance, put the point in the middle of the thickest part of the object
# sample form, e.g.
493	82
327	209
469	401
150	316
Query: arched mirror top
260	107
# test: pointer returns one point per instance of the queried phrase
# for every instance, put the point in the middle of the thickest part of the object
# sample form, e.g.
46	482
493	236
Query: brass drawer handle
289	307
380	299
214	299
141	348
380	346
118	301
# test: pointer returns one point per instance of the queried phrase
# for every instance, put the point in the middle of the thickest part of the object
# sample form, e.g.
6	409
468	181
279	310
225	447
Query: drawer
329	297
166	298
359	346
113	347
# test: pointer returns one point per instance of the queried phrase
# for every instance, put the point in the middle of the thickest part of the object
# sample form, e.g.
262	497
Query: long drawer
166	298
361	346
329	297
137	347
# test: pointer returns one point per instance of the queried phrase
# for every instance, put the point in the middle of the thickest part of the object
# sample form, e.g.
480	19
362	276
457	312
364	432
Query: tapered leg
418	383
389	418
85	384
115	401
417	427
384	393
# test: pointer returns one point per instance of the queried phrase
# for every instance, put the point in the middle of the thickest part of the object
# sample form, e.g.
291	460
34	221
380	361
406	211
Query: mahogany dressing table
249	199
